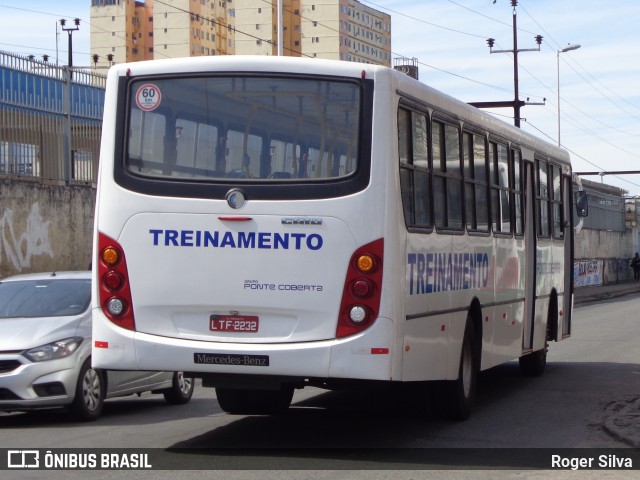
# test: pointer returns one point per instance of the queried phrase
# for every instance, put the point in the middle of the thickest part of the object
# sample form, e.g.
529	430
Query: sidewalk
596	293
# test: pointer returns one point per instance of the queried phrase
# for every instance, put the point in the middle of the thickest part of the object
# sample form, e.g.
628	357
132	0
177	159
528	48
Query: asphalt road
347	435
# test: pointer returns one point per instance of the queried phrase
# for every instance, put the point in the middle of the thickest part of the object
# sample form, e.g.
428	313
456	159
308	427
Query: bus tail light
362	289
113	283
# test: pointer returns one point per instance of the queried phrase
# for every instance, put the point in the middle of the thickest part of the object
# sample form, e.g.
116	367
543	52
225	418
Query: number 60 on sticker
148	97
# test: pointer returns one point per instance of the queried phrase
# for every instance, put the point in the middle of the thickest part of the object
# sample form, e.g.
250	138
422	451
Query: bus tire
534	363
455	398
254	402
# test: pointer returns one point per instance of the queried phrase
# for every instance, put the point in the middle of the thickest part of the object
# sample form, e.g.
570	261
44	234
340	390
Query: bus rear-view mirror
582	204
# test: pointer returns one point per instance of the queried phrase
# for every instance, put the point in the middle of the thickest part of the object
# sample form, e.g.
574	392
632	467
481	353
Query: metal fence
50	120
606	212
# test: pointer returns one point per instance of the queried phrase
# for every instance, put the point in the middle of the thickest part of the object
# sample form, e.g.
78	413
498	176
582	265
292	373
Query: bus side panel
426	335
549	277
509	283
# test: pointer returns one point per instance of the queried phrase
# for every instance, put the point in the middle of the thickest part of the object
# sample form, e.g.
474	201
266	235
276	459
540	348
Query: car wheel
181	389
90	392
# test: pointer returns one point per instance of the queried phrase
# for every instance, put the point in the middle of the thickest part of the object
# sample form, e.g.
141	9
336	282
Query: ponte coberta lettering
248	240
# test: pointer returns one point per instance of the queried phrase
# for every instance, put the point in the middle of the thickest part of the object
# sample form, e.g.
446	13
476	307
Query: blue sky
599	82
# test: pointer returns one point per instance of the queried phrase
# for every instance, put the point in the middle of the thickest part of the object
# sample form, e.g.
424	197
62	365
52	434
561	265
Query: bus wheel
254	402
455	398
534	363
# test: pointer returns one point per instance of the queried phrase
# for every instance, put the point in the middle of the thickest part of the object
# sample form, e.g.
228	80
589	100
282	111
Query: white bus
268	223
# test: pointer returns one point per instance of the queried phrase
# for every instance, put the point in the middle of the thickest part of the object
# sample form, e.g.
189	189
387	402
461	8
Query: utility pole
516	103
70	31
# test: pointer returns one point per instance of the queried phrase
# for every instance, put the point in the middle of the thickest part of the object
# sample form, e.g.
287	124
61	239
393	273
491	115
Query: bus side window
499	179
555	197
518	200
414	168
445	144
476	186
543	198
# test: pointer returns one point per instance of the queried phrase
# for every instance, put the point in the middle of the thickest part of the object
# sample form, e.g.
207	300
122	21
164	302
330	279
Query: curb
604	295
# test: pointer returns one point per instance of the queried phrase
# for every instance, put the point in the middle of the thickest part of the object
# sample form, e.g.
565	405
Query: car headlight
52	351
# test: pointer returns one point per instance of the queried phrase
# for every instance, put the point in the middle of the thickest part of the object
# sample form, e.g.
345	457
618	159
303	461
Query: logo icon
23	459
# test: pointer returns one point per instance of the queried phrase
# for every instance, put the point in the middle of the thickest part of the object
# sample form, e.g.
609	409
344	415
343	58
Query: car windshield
44	298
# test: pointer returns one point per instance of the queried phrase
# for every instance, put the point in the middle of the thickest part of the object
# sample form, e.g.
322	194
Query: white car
45	350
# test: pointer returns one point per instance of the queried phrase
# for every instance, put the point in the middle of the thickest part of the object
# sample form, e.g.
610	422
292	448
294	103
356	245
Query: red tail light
362	288
113	283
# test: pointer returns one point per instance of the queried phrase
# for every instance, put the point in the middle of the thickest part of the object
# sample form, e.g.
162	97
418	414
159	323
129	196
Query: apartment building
130	30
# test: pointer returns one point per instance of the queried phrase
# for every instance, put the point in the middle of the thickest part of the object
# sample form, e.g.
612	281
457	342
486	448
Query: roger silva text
601	461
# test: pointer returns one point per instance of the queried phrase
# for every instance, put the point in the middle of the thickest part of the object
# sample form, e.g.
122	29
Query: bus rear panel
223	247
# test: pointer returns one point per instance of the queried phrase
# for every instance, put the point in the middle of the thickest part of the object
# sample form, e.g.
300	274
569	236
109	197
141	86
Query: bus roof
405	85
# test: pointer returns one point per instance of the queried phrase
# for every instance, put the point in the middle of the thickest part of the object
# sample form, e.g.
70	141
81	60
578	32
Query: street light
568	48
70	31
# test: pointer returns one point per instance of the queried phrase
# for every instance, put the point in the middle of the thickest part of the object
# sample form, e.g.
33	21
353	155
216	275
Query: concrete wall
603	244
617	270
613	249
44	227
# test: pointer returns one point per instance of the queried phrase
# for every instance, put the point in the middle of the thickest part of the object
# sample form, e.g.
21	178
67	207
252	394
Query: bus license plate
233	323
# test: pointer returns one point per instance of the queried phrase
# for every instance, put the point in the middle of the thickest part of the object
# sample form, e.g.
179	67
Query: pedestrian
635	264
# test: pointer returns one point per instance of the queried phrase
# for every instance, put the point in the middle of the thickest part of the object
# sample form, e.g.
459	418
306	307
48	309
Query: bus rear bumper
366	356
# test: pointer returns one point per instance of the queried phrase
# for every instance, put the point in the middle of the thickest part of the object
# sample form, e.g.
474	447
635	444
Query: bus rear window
253	129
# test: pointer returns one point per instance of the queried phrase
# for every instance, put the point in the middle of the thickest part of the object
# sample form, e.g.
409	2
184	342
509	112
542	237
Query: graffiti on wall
588	273
19	250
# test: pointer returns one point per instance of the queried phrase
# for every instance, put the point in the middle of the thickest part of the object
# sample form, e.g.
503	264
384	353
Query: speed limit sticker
148	97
